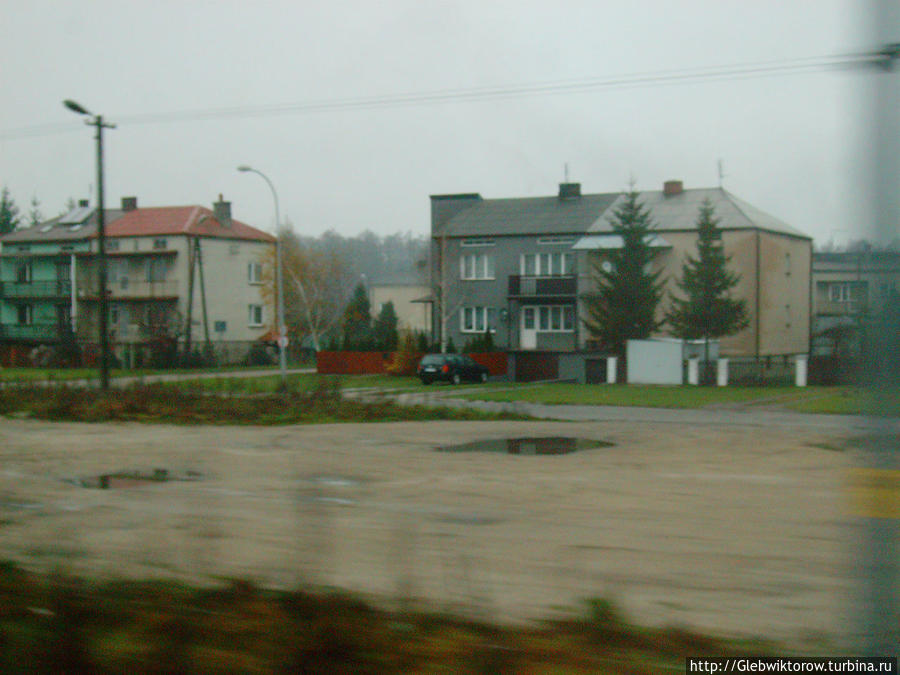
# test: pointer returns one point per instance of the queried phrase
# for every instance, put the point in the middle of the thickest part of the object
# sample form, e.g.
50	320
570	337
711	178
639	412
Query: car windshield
432	360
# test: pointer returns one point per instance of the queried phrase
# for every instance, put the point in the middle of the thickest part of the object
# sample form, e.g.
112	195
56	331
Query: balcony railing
126	288
536	287
35	289
32	331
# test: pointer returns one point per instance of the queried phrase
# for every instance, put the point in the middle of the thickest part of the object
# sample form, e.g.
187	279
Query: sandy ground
739	530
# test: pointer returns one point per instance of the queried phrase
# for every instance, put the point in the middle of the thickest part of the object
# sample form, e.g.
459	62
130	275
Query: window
256	315
234	249
112	244
254	272
476	266
477	319
159	244
23	315
220	326
842	292
113	315
23	272
477	242
549	318
156	269
546	264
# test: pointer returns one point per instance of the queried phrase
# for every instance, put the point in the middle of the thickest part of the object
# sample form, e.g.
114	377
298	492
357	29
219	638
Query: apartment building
184	273
520	267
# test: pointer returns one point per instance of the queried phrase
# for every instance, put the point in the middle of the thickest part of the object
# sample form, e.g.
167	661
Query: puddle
540	445
127	479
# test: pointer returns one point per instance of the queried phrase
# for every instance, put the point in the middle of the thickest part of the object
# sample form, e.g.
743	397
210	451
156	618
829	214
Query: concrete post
722	373
800	363
693	375
611	362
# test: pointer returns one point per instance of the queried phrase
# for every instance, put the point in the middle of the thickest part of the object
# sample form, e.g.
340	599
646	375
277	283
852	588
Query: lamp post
97	121
279	283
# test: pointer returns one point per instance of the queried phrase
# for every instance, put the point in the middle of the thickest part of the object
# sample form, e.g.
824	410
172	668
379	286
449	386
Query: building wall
411	315
492	293
229	289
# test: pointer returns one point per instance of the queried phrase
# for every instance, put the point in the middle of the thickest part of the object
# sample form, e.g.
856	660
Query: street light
98	122
279	284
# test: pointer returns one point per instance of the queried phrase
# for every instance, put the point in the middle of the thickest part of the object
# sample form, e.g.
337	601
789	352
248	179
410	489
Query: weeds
310	402
161	628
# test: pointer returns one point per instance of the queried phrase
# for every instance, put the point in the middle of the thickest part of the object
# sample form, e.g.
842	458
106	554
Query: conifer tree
623	306
707	311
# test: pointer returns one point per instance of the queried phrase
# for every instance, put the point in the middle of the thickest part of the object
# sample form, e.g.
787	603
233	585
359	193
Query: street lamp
97	121
279	283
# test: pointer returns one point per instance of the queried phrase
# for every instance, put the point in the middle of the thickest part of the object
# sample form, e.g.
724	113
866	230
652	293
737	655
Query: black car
451	368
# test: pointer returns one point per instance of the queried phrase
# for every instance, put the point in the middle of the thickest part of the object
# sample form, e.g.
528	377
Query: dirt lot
735	529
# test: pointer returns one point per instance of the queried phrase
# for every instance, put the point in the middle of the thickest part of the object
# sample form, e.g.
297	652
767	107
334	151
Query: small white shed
661	360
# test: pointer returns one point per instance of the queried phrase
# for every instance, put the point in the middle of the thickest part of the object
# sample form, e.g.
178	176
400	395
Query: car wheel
456	378
484	378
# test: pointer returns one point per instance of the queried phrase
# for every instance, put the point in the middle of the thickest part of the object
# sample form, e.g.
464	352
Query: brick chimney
222	212
569	190
672	188
129	203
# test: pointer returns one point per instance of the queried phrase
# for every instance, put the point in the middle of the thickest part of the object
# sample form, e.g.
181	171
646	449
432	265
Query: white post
73	273
722	373
801	363
611	369
693	371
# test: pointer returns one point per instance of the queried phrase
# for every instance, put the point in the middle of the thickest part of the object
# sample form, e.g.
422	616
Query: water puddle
538	445
128	479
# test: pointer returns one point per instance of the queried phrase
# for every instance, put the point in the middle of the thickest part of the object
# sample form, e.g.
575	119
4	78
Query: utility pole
98	122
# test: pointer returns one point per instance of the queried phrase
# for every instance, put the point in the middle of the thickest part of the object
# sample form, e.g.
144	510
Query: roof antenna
721	173
566	172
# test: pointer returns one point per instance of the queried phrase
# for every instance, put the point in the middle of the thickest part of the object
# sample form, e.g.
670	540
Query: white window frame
476	319
160	244
555	264
477	242
551	318
840	292
111	245
476	267
254	273
555	241
259	310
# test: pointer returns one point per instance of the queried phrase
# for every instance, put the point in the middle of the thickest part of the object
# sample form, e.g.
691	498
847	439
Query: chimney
672	188
129	203
83	203
222	212
569	190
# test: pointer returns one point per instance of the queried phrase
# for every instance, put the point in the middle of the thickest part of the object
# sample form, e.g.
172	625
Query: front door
528	328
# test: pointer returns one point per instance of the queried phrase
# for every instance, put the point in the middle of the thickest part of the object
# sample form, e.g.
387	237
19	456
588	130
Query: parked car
451	368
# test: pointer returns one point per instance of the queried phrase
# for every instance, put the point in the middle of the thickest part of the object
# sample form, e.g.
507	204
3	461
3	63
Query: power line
797	66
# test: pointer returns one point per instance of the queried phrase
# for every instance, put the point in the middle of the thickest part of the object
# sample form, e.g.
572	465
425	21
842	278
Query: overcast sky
790	144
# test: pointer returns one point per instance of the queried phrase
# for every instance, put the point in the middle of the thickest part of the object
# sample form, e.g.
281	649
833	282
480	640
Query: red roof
187	220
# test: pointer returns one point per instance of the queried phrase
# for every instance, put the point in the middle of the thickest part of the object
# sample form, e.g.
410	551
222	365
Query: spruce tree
623	306
384	329
707	311
357	322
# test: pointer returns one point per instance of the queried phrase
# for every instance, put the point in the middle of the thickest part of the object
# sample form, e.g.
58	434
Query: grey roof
529	216
590	214
62	228
679	212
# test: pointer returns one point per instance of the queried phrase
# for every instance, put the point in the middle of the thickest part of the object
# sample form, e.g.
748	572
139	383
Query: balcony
543	287
36	289
126	288
32	331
